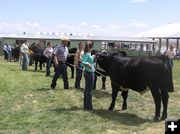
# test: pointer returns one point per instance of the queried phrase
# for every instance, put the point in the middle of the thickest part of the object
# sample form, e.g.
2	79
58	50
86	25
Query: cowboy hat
64	38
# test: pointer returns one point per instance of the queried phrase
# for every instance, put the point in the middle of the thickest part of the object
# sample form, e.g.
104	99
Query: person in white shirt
48	53
24	52
171	54
9	49
78	64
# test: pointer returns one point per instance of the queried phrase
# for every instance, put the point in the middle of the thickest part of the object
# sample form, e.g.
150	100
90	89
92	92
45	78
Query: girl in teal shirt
88	62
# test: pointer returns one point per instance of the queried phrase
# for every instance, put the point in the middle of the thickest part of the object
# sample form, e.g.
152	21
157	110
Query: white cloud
138	24
115	27
84	23
81	28
60	27
19	27
137	1
32	25
96	26
4	24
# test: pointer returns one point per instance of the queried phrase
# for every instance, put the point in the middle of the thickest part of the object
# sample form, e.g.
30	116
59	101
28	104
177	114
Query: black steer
37	56
16	53
70	60
138	73
98	72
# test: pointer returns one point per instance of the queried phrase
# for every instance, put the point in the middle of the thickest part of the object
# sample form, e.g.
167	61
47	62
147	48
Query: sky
93	17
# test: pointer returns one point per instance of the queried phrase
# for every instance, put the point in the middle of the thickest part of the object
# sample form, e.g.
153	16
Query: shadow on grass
121	117
60	110
52	75
101	94
98	93
56	89
15	70
43	89
115	116
34	71
38	71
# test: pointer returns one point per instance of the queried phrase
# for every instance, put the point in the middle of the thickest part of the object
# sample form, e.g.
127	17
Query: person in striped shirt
60	57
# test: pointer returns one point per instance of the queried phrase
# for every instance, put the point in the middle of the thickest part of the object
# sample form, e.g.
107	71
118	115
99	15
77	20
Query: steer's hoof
163	117
110	110
171	90
124	106
156	118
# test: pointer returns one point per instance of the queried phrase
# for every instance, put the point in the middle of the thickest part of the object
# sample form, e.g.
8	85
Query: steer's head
103	61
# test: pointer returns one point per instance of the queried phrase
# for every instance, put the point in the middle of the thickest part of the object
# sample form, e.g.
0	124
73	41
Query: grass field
28	106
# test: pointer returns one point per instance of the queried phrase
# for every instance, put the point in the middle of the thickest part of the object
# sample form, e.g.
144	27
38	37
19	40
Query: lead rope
83	70
95	74
141	93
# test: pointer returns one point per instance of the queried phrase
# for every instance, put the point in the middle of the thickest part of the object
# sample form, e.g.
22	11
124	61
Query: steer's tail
168	74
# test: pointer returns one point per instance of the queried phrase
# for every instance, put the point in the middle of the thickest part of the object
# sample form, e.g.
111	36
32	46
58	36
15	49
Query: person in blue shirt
88	63
5	52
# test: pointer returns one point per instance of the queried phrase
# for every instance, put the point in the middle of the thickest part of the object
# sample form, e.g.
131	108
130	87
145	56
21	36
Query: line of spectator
83	60
7	52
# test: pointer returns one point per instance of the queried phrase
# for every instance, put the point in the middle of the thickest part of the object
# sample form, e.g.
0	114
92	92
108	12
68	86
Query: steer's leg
72	72
114	95
157	100
165	97
95	80
36	65
103	82
124	95
40	65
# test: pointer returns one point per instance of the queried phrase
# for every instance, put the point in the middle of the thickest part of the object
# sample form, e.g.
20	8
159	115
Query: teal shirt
88	59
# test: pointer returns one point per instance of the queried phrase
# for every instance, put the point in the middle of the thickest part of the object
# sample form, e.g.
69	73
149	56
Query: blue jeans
78	75
9	55
60	69
48	66
89	81
24	61
5	55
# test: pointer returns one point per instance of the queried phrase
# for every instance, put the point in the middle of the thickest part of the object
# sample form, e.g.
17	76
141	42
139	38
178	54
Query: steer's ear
97	55
100	56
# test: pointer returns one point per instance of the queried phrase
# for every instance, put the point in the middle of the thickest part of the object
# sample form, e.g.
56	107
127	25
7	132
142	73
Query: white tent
169	30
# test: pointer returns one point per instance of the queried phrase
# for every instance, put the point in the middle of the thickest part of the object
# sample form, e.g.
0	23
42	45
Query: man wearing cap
60	56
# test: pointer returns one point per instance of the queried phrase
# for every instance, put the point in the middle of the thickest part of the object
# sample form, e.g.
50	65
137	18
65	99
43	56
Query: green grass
28	106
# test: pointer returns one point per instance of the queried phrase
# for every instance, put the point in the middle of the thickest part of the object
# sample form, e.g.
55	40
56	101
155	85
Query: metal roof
79	37
166	31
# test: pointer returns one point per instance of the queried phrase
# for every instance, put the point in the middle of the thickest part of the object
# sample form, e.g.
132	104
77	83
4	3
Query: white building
42	39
